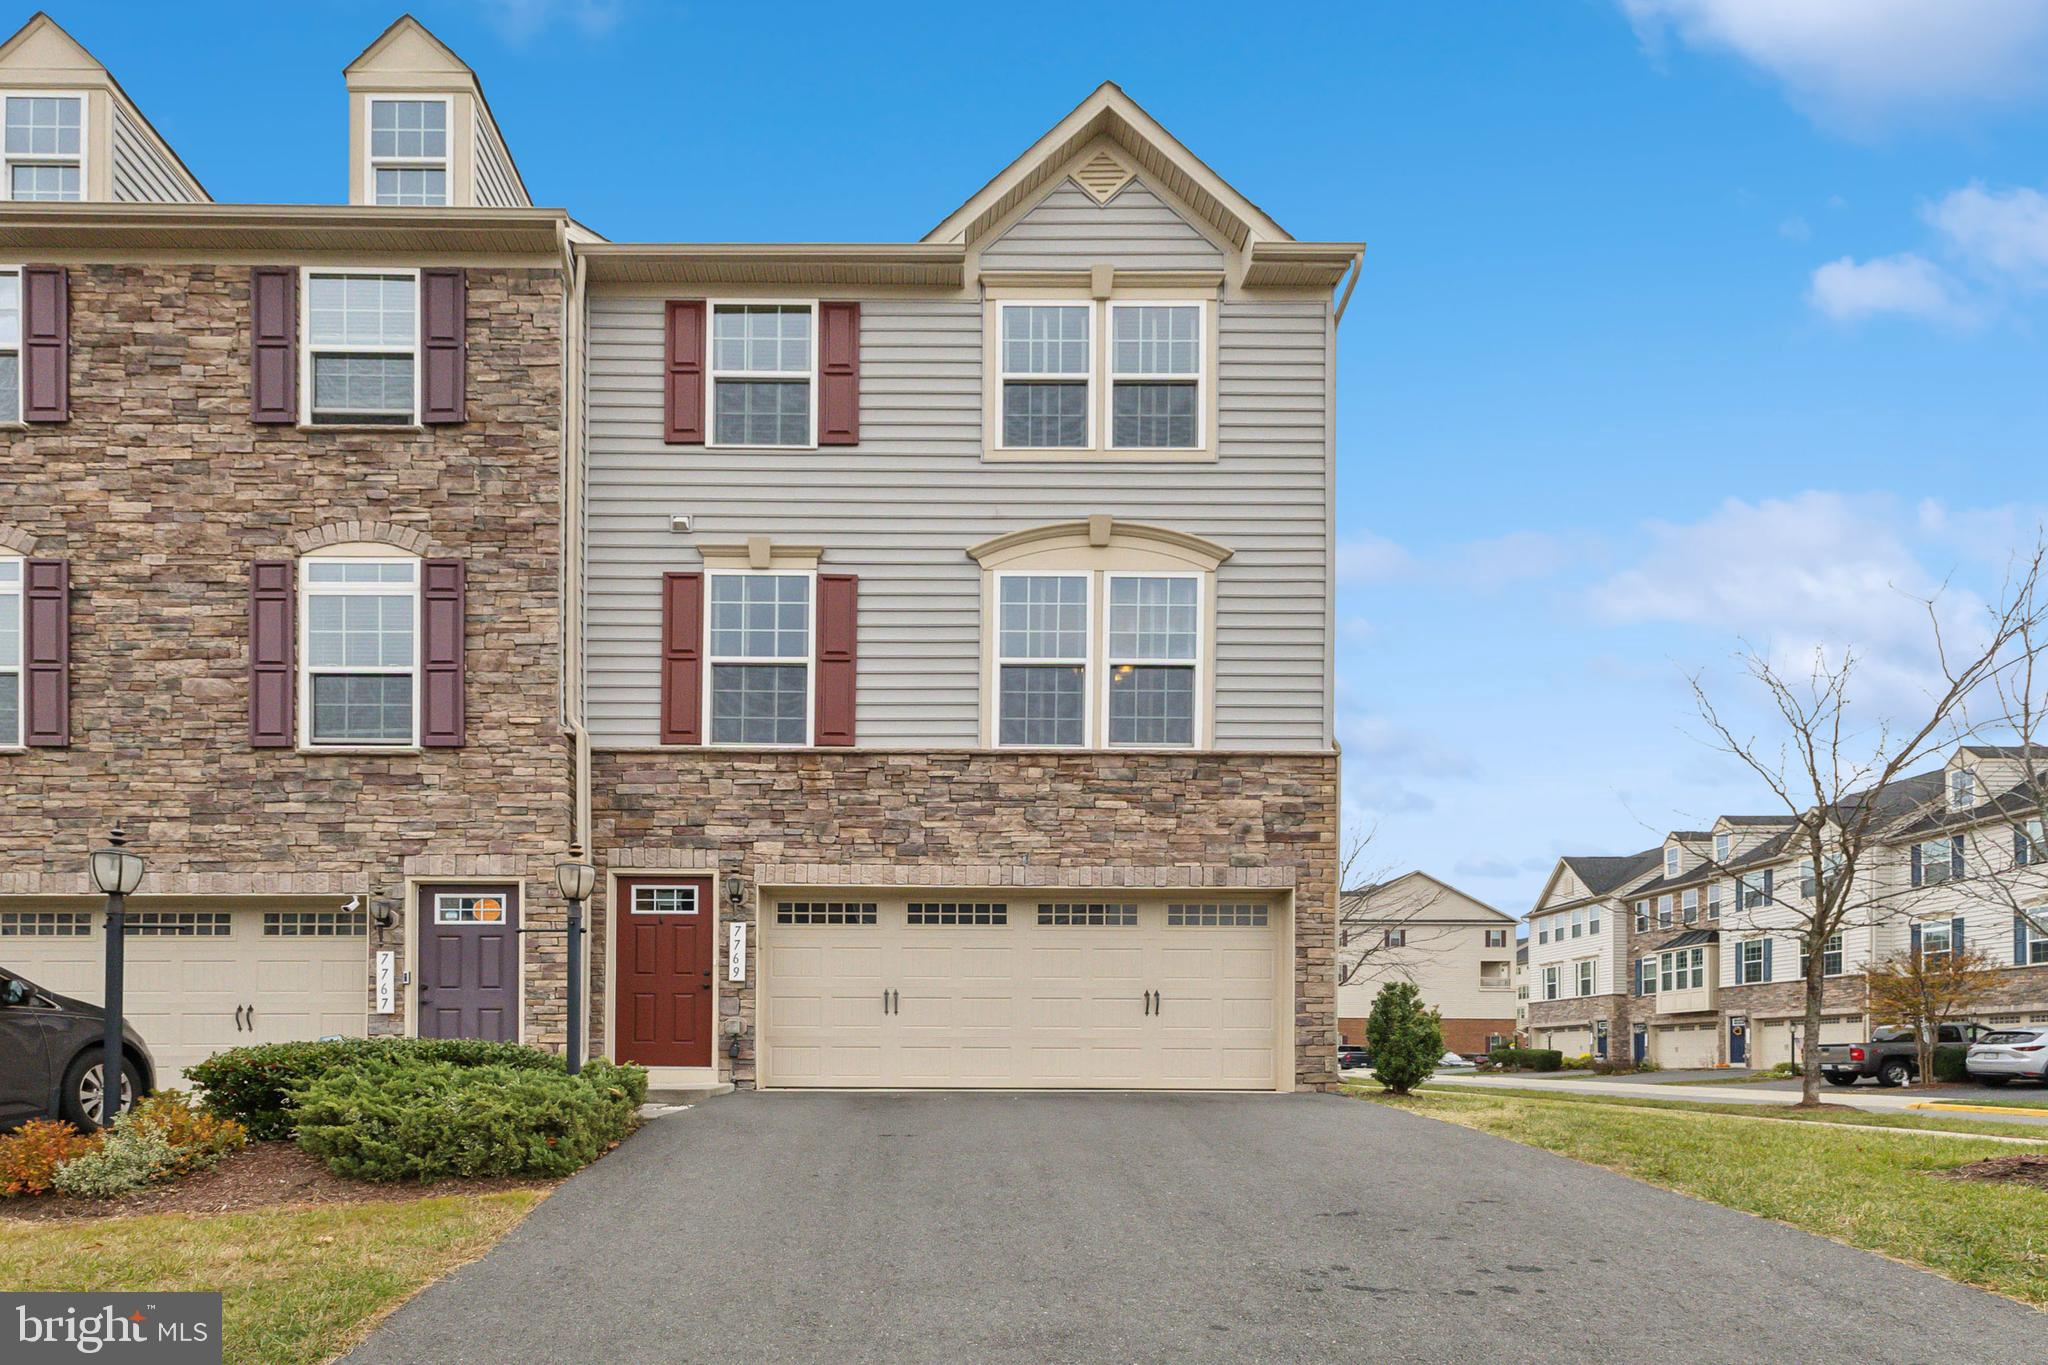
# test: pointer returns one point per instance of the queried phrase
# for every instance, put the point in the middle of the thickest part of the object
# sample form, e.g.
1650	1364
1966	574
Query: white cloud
2001	232
1905	285
1860	63
1369	559
1795	229
518	21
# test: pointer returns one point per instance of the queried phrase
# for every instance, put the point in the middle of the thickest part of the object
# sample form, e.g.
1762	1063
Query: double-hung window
1642	917
1831	956
1543	930
2036	929
1723	844
1646	976
1689	905
1593	918
409	151
759	652
1940	860
1550	982
1664	911
360	652
1749	962
1155	376
1585	975
1962	789
10	650
1046	355
1042	647
763	372
1936	941
45	147
1713	900
1670	862
1396	938
1579	923
362	347
1496	938
10	345
1154	639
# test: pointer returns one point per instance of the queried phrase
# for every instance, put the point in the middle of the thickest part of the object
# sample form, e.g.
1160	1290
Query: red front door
665	957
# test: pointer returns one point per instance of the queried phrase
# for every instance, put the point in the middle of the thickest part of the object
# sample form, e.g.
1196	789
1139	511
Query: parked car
50	1057
1350	1057
1891	1055
2009	1054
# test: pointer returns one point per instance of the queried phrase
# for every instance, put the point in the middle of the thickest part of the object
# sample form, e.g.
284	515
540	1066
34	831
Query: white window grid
13	621
11	391
1083	660
1723	845
1670	862
1090	914
1550	975
1936	940
678	898
1113	660
825	912
1218	914
1962	788
178	924
1749	962
1005	376
958	913
1689	905
45	923
54	159
308	347
1831	956
713	658
1584	973
1197	380
308	590
471	907
314	924
374	163
2037	936
713	373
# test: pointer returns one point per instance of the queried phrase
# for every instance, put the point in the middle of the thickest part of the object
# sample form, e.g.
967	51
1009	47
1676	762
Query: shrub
200	1139
1527	1058
403	1118
1404	1036
30	1155
124	1159
1948	1062
255	1085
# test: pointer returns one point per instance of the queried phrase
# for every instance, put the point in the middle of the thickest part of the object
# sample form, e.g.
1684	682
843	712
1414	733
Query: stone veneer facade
976	818
1581	1012
160	491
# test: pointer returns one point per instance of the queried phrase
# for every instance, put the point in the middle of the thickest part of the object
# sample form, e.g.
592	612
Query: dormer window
1962	789
409	152
1723	845
1671	862
45	147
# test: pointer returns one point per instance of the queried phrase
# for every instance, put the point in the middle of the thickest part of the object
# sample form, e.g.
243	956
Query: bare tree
1376	933
1837	779
1922	991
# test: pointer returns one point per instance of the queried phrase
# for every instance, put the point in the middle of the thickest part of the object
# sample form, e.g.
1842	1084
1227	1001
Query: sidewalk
1899	1101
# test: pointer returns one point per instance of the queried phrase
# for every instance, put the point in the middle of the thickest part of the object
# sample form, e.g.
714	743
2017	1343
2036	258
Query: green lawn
1870	1191
1929	1120
297	1284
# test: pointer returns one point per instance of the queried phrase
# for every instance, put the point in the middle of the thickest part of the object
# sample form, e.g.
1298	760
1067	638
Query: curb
1957	1108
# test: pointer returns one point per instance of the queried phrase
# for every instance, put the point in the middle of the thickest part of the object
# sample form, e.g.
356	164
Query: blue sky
1684	321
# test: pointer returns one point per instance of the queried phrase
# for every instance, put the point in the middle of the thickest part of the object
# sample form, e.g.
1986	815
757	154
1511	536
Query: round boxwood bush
407	1118
255	1085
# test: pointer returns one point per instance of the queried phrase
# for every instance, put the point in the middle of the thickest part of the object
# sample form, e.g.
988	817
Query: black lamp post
115	874
575	879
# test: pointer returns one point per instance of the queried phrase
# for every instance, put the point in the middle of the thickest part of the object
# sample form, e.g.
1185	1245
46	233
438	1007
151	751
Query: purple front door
469	962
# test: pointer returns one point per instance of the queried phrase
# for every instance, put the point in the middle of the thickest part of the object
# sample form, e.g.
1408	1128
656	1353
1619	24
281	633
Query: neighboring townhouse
1521	990
1457	950
1578	977
942	680
957	625
280	567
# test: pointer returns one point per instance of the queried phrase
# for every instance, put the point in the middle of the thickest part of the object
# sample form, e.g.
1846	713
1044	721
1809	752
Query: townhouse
1712	964
1458	951
929	642
1578	1001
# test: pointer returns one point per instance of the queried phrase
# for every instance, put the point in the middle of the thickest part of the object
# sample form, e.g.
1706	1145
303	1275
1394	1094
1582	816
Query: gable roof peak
402	27
1109	111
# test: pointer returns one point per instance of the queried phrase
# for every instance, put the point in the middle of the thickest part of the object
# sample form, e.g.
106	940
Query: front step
689	1094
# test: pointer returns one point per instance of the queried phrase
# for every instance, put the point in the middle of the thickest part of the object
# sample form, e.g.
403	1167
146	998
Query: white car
2009	1054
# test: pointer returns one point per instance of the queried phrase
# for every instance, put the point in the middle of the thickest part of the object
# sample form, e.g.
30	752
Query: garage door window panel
1090	914
758	641
1153	650
958	913
1042	650
45	923
314	924
1212	916
179	924
825	912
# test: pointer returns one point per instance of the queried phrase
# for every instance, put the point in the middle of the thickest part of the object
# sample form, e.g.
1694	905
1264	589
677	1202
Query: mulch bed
2026	1169
261	1175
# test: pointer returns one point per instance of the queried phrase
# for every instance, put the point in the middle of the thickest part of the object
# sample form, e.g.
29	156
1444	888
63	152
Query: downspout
570	578
1357	265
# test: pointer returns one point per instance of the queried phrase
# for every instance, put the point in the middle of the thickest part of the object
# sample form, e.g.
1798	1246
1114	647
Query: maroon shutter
274	345
682	364
682	658
444	346
271	654
443	591
45	344
46	653
838	375
838	616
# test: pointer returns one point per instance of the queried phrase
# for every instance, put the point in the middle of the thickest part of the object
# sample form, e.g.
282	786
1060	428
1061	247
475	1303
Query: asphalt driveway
1027	1228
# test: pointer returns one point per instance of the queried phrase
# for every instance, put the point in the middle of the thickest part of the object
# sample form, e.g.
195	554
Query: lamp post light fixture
115	874
575	879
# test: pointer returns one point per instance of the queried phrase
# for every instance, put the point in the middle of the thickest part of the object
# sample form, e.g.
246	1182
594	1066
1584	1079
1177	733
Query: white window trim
1742	978
1091	634
306	591
1583	974
1689	905
306	347
1962	783
1107	366
1087	377
1551	981
1948	939
1194	665
712	374
1836	947
1671	860
19	668
809	661
8	162
445	163
1724	846
696	900
20	328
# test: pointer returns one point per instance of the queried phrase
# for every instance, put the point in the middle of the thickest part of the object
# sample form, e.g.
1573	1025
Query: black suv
50	1057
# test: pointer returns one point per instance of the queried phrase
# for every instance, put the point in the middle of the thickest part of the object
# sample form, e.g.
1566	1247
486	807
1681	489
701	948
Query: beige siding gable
1135	230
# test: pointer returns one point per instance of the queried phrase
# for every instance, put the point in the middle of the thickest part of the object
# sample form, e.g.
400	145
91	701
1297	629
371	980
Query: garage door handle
1155	1002
1147	998
252	1017
238	1018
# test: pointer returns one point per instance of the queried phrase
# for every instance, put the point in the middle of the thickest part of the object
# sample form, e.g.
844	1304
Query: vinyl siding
1068	230
142	174
496	185
902	508
1604	948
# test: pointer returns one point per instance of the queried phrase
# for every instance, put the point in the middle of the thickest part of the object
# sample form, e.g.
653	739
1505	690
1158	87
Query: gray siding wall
1135	230
142	174
496	187
901	509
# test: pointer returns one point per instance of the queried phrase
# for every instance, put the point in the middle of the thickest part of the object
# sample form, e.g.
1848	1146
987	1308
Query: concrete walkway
1002	1228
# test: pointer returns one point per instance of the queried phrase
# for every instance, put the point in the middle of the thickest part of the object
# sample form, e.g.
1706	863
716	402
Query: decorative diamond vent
1102	175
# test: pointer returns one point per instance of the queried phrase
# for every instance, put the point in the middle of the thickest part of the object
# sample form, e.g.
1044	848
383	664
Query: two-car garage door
199	980
1023	990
